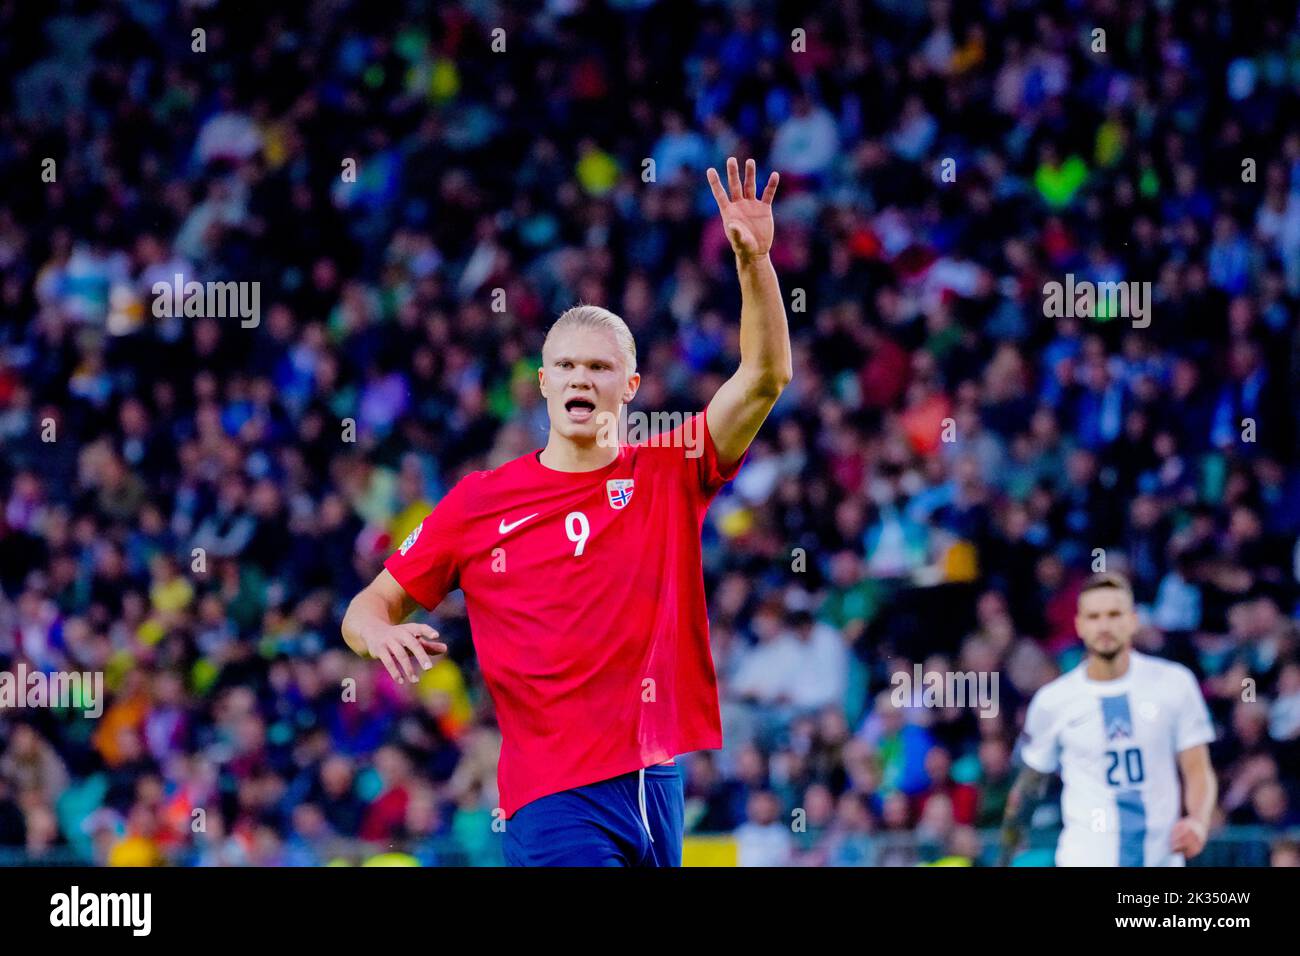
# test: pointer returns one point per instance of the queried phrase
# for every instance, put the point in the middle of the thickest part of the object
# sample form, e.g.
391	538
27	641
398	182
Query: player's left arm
1200	794
741	404
1193	732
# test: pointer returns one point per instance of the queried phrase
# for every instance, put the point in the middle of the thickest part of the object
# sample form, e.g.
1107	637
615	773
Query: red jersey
585	595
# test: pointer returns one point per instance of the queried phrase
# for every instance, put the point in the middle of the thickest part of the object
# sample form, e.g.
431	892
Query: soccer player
1120	728
581	569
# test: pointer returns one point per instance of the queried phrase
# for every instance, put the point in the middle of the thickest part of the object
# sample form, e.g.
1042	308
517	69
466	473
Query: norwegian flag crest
619	491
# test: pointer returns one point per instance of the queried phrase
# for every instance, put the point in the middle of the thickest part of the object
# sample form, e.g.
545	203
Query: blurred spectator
764	839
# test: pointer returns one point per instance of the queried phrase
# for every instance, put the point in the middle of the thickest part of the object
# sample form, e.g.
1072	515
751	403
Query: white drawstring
640	795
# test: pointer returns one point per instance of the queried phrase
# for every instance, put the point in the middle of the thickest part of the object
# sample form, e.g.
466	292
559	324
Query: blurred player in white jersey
1120	729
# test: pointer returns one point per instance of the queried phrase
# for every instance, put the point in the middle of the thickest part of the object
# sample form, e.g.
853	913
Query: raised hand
747	218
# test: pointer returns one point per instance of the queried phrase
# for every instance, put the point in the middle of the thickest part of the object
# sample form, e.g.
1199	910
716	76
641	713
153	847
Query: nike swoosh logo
507	528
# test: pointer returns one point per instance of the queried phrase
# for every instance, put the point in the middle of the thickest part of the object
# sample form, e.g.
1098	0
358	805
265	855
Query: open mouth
580	409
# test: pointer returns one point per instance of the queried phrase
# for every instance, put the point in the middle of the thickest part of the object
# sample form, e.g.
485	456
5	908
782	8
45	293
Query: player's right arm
1026	793
420	573
1040	753
373	627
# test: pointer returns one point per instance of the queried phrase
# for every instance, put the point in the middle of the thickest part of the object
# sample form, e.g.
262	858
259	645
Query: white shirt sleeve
1193	724
1039	747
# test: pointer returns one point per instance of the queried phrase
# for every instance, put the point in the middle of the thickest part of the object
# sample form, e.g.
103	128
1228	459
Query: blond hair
594	317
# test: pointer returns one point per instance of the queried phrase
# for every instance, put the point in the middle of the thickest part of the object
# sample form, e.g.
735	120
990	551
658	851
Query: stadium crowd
188	503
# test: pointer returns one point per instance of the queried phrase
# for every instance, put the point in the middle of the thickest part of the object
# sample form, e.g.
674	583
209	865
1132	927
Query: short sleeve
427	565
1039	747
690	447
712	475
1193	726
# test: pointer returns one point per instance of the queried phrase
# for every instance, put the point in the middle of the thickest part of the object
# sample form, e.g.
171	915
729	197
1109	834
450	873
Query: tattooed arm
1025	795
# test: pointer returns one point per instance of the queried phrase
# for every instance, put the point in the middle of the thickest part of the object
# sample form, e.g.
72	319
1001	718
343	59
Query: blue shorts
635	819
